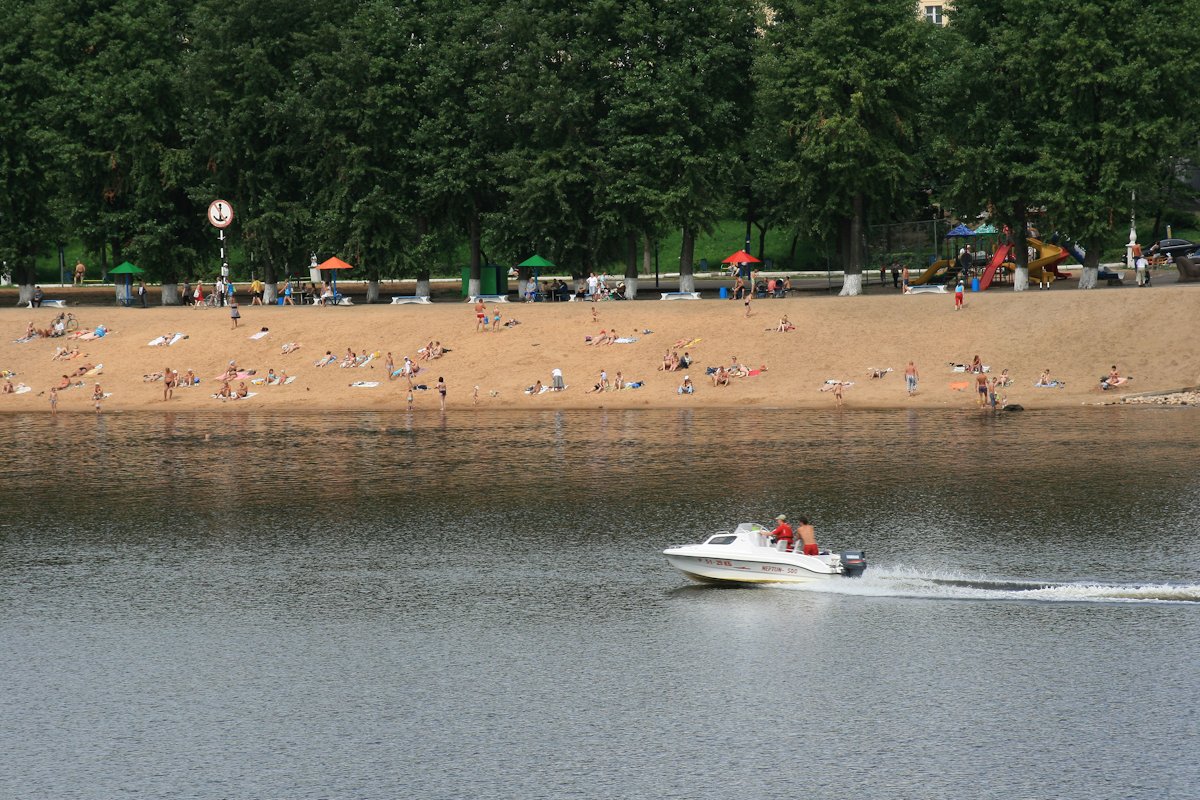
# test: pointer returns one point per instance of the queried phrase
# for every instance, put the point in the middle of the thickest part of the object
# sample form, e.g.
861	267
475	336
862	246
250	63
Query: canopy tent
960	231
333	265
128	270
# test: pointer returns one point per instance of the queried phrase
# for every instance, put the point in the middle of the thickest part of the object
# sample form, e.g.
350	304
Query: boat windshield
726	539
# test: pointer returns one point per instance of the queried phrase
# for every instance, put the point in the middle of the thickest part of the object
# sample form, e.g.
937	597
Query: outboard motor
854	563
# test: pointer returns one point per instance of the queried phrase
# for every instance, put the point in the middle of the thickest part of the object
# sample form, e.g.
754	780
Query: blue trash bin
974	284
724	292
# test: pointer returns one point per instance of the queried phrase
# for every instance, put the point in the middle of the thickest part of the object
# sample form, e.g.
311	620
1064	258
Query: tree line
390	131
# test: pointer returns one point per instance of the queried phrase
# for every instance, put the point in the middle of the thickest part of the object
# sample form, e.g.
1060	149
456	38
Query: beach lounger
413	299
488	298
679	296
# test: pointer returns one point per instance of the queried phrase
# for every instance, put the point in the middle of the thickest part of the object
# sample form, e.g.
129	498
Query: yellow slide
934	268
1049	256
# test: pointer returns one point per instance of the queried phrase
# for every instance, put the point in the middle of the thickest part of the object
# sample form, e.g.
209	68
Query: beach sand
1152	335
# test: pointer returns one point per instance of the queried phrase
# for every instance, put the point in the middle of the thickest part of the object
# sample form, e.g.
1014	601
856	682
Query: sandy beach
1149	334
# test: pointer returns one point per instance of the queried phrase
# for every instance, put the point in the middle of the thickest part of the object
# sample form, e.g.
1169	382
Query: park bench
488	298
680	296
404	299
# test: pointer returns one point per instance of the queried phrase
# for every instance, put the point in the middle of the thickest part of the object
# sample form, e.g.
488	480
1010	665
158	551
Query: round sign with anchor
220	213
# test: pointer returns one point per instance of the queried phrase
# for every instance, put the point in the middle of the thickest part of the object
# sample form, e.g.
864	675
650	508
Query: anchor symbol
220	217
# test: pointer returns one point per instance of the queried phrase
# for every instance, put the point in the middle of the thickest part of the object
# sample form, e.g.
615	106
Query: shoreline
1076	335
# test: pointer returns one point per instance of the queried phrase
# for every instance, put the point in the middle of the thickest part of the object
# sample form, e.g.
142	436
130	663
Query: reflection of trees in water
936	462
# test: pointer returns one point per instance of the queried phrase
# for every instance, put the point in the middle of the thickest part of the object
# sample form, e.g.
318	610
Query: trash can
724	292
974	284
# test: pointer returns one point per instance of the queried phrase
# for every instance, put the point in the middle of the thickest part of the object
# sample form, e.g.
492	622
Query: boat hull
707	569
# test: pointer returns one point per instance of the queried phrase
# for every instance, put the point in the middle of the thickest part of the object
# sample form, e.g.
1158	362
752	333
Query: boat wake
902	582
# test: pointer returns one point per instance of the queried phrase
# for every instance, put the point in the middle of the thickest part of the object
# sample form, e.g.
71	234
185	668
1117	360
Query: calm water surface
388	606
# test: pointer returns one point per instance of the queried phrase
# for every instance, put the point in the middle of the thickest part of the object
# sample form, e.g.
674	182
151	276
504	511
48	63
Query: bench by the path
417	299
680	296
46	303
488	298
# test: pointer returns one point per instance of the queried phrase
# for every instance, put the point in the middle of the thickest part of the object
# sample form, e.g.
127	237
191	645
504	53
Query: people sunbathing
289	347
785	325
242	391
329	358
225	391
720	377
686	387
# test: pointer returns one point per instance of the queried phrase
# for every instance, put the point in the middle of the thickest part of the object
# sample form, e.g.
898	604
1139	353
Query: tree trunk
852	257
687	277
1090	275
631	280
762	241
373	290
423	283
1020	248
25	276
269	273
170	293
475	278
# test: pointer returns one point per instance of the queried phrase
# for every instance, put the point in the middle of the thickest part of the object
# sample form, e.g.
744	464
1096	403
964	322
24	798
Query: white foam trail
906	582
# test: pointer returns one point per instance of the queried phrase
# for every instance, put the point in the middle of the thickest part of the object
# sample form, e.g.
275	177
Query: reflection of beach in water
386	605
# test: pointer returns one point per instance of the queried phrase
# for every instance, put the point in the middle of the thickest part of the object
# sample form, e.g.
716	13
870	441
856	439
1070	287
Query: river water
393	606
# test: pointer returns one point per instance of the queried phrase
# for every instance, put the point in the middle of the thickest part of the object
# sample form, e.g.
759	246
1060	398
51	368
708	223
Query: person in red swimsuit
809	537
783	533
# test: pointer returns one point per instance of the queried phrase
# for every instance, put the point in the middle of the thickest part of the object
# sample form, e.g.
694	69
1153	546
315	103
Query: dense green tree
676	98
29	166
1113	113
250	126
839	83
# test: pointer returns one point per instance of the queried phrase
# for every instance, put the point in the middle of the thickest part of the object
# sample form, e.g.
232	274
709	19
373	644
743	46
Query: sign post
220	216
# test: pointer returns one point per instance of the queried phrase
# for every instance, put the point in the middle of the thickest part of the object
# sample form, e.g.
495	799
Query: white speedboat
748	555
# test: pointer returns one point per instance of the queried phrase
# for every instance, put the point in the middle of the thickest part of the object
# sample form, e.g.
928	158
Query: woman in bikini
441	387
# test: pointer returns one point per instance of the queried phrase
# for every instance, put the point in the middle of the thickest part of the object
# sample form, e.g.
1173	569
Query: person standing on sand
256	292
958	295
981	389
904	283
169	379
910	378
480	315
495	318
234	314
53	401
556	380
475	397
391	367
837	394
80	271
749	295
441	387
97	397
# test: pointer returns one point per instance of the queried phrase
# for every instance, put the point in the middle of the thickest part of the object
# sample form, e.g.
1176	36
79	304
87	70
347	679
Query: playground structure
1045	266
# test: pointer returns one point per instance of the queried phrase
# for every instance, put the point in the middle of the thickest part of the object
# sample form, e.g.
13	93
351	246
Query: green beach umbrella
536	261
128	270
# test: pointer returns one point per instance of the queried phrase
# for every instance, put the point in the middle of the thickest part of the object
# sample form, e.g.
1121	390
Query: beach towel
96	370
627	340
832	384
543	390
363	361
753	372
325	361
21	388
235	397
265	382
240	376
259	335
365	384
1050	385
635	384
879	373
152	377
26	339
959	386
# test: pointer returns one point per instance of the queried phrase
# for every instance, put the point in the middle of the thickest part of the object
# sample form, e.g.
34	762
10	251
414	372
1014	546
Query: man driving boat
782	533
